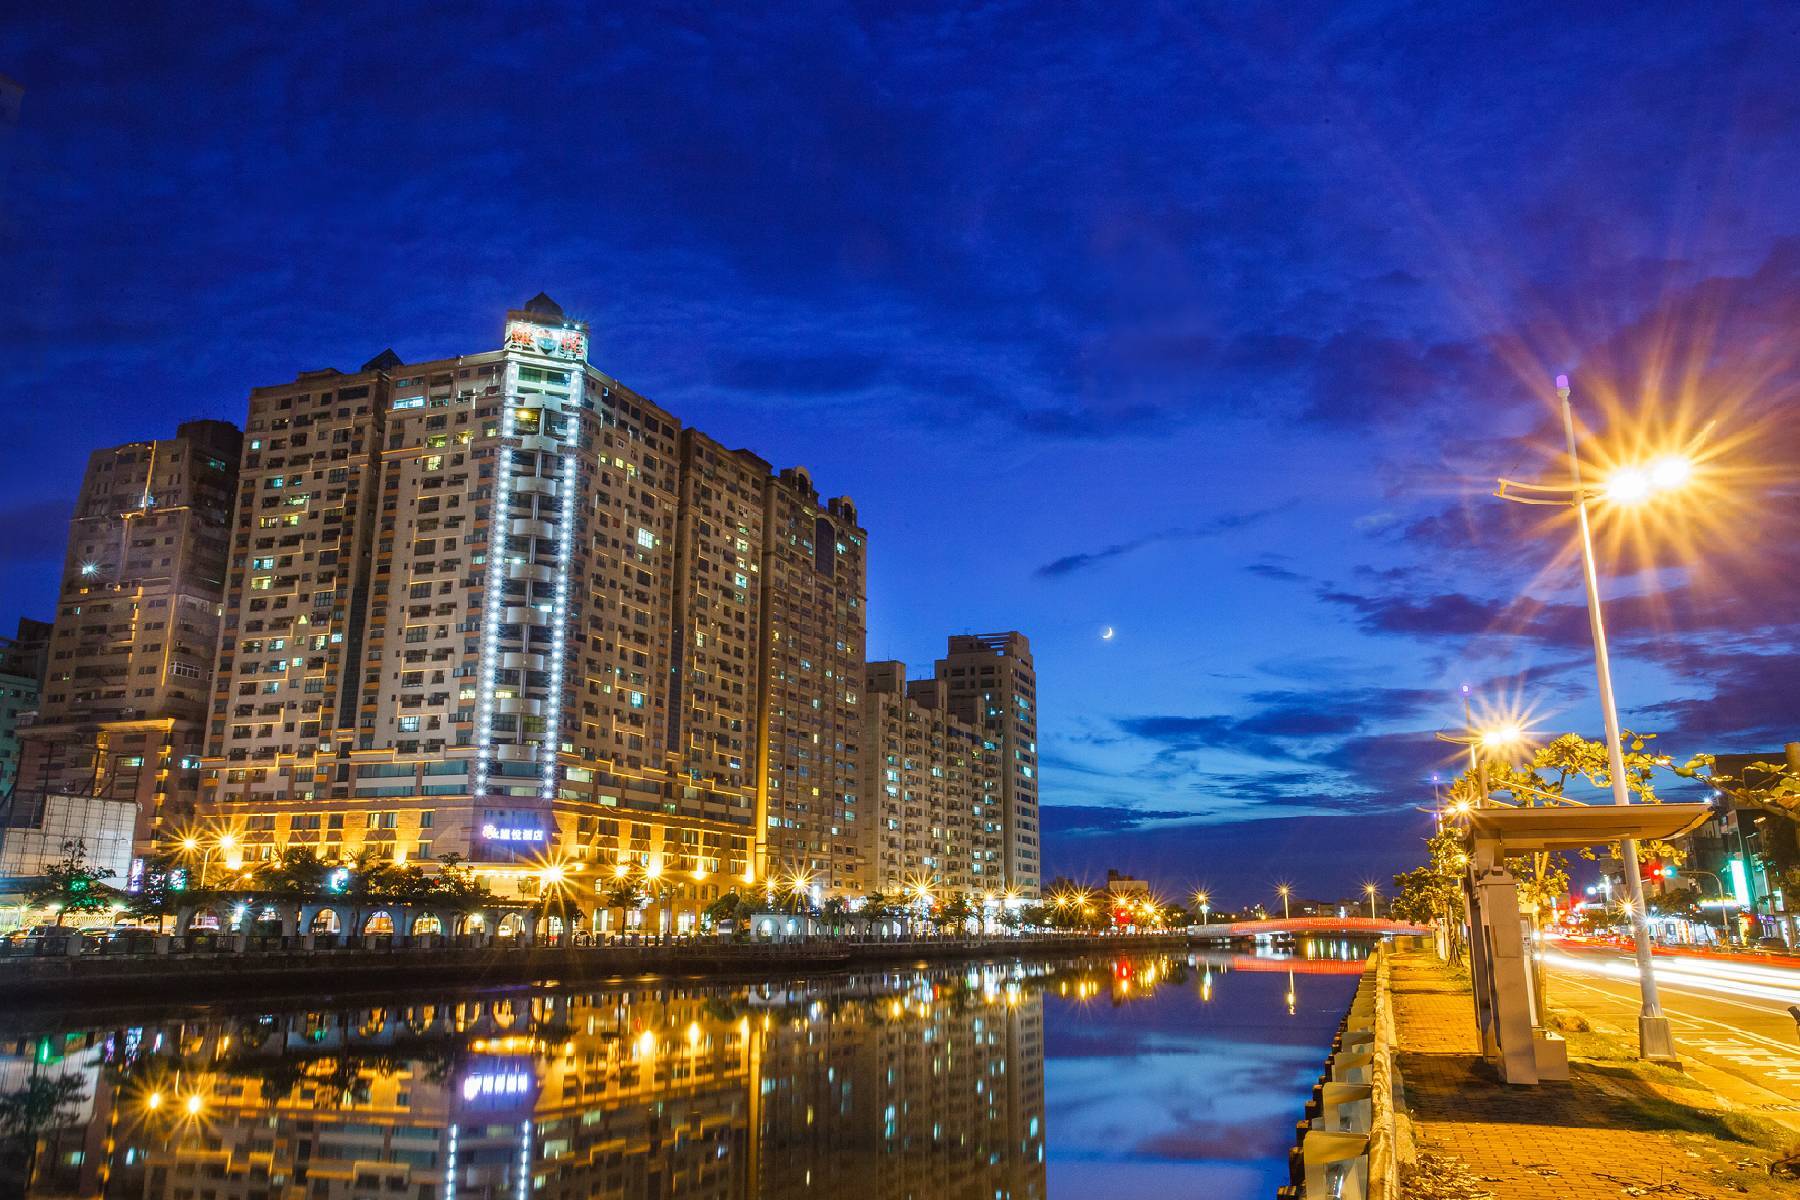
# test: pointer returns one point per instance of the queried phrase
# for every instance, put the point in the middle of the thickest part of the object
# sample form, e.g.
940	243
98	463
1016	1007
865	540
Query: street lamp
1629	485
224	843
1284	892
1370	888
1205	903
1484	744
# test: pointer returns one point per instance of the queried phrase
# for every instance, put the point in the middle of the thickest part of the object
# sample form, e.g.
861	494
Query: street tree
1432	894
72	886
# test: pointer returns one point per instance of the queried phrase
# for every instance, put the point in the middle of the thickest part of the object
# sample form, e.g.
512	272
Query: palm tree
625	894
725	908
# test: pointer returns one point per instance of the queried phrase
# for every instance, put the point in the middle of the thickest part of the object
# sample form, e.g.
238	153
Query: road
1731	1016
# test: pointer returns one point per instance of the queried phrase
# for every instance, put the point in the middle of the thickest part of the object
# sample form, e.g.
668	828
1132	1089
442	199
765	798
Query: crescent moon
1106	635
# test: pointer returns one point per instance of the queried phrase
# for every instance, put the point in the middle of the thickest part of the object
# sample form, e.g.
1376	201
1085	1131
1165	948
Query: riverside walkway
1616	1128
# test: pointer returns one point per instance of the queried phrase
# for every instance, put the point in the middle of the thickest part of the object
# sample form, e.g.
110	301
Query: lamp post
1205	903
1284	891
1370	888
1629	486
225	843
1483	744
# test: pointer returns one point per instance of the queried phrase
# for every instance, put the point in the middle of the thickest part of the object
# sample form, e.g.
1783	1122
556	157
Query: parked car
36	932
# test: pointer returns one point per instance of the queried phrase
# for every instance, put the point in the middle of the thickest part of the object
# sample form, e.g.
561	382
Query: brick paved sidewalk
1614	1129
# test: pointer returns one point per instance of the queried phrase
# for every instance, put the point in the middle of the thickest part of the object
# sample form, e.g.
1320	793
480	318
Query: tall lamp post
1629	486
1370	888
1204	902
1284	891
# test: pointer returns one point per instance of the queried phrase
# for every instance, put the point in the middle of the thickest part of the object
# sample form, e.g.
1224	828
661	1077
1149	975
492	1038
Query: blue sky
1211	328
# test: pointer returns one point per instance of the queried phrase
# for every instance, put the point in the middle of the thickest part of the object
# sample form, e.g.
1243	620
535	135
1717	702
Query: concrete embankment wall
111	980
1354	1140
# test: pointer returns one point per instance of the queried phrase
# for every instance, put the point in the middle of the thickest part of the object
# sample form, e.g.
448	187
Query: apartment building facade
501	606
131	648
991	683
934	787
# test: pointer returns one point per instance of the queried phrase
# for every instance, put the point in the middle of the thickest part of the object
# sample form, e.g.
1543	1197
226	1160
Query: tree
156	895
459	885
626	893
297	873
1770	787
1432	893
26	1112
1543	878
71	886
953	912
726	908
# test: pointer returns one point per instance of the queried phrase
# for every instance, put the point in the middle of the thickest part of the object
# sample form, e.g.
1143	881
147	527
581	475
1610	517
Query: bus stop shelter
1500	966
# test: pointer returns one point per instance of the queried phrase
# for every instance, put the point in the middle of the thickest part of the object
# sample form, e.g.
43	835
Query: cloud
1749	706
1268	567
1071	564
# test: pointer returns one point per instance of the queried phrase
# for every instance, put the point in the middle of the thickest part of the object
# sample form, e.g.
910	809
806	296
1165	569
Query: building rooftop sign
553	341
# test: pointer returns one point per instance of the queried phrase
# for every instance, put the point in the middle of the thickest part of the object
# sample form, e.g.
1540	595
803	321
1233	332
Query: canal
1111	1076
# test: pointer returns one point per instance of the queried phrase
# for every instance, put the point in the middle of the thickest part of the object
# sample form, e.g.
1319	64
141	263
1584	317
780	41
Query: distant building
22	661
131	649
991	683
934	786
1125	886
1741	853
104	829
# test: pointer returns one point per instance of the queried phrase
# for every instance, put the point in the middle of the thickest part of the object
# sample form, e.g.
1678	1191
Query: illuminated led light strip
523	1190
559	607
499	536
559	630
450	1164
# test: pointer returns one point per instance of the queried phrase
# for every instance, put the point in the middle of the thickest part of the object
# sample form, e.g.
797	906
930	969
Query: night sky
1213	330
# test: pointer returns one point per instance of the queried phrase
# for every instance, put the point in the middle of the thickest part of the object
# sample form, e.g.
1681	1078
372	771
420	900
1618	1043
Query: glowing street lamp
1628	486
1284	891
1501	737
1370	888
1204	902
224	843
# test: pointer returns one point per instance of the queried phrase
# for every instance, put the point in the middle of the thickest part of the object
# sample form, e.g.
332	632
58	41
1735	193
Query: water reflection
1185	1076
929	1082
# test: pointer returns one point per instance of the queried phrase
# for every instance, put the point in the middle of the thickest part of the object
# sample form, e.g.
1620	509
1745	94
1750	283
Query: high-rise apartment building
933	783
992	684
23	658
814	578
131	649
502	606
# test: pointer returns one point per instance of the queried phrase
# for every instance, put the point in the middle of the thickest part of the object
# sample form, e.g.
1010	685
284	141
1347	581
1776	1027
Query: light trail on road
1721	978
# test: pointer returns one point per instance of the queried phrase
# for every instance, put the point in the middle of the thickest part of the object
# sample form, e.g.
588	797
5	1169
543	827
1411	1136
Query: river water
1115	1076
